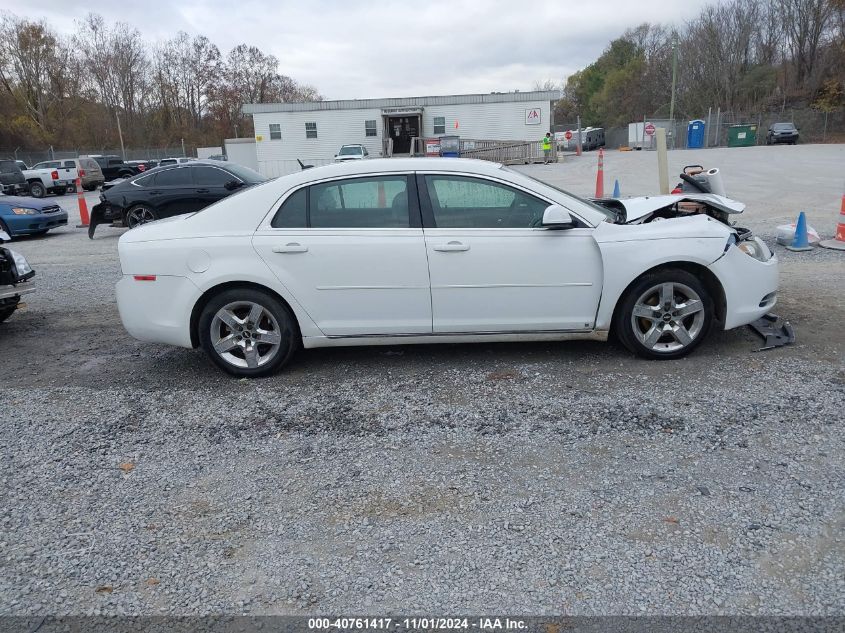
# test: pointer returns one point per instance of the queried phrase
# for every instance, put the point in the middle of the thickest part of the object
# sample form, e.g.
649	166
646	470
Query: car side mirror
556	217
233	184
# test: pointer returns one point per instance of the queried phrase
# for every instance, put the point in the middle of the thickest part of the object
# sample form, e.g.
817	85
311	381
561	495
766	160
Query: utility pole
578	141
120	134
674	83
183	148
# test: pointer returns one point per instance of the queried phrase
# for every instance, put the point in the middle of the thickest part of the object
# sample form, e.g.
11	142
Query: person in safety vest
547	148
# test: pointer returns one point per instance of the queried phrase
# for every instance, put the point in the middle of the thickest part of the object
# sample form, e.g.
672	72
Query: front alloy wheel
665	315
138	215
247	332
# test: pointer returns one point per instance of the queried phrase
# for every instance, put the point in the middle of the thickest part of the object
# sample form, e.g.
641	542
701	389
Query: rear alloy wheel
665	315
247	332
138	215
37	190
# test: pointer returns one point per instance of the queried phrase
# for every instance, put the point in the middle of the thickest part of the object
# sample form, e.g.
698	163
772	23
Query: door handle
291	247
452	247
202	190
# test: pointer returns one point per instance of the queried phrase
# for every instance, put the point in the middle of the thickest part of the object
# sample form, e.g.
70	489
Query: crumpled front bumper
750	286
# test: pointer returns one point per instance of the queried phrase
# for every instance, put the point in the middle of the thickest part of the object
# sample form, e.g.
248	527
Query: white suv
351	152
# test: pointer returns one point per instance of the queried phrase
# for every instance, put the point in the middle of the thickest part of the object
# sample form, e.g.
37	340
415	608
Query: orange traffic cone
838	243
83	206
600	176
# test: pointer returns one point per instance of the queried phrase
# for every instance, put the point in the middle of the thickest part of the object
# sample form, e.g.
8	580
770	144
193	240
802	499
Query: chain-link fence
33	156
813	126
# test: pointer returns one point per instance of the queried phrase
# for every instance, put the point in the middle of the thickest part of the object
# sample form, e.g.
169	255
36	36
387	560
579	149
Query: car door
173	192
210	183
352	253
493	268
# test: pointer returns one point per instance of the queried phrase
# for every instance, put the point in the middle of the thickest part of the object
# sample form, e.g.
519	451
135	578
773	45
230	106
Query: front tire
247	333
5	313
664	315
138	215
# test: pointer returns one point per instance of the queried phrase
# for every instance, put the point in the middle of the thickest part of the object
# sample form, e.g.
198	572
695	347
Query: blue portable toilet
695	134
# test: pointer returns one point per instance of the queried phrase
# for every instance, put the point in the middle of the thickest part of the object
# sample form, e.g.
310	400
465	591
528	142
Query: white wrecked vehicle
430	250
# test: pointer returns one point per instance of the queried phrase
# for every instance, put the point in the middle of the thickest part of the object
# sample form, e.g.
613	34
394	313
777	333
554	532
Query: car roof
383	165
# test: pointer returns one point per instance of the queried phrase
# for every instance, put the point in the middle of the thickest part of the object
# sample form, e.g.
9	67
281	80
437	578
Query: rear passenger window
292	214
173	177
380	202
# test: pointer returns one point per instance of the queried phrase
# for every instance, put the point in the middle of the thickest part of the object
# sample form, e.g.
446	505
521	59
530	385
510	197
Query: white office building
313	132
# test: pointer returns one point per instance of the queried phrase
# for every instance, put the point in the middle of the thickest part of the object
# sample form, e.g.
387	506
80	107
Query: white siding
342	127
493	121
496	121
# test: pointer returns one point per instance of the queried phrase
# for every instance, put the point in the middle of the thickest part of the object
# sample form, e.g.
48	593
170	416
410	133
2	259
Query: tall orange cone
838	243
83	206
600	176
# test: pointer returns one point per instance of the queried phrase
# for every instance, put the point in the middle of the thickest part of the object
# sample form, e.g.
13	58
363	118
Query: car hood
29	203
637	208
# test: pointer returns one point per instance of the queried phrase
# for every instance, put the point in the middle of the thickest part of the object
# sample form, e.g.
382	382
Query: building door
402	129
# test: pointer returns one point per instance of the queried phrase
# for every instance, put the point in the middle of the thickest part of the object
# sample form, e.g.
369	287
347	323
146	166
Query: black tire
37	190
210	328
138	215
5	313
671	331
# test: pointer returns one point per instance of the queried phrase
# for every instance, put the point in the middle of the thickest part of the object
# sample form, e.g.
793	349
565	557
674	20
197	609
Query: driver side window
462	202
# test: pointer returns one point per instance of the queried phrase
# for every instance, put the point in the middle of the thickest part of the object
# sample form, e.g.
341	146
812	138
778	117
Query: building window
275	132
310	130
440	125
370	128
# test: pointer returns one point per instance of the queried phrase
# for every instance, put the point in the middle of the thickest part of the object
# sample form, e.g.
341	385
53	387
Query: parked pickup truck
114	167
51	176
15	275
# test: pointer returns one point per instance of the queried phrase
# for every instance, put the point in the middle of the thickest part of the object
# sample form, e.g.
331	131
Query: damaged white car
427	250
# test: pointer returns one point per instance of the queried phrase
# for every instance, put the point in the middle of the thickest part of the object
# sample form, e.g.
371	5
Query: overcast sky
380	48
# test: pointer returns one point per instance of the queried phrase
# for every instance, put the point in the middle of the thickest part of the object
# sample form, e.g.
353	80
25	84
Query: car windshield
350	150
246	174
783	126
8	166
609	214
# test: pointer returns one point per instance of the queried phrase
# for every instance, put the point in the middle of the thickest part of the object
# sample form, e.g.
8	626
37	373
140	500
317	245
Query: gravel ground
522	479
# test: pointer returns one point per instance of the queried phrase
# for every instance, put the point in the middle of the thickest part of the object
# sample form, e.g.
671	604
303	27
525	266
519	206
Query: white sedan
429	250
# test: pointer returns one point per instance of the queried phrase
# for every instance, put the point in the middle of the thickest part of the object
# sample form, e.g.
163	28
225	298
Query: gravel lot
522	479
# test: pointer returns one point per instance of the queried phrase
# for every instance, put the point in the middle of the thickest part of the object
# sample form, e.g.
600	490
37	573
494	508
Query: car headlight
756	248
20	263
24	211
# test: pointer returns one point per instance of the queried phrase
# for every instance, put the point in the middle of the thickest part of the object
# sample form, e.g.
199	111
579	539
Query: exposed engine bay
655	208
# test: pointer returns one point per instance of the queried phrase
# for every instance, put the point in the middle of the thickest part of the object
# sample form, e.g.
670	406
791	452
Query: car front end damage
747	270
15	279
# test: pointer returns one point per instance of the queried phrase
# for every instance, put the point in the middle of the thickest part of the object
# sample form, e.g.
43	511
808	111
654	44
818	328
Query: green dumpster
742	135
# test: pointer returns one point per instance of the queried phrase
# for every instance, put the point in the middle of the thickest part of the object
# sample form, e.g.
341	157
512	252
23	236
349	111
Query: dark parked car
143	165
170	190
114	167
782	133
12	180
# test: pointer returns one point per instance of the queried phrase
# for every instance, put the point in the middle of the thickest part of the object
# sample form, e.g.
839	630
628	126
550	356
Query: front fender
628	251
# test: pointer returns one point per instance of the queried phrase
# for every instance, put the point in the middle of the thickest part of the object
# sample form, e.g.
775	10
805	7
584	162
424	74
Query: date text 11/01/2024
413	624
